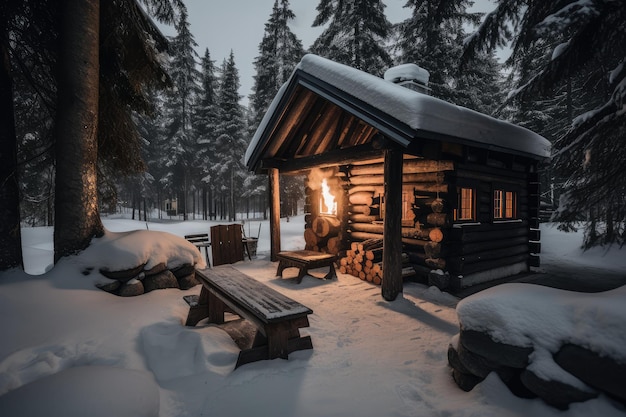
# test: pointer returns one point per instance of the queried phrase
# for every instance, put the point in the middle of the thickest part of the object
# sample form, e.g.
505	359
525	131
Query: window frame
497	206
504	208
458	210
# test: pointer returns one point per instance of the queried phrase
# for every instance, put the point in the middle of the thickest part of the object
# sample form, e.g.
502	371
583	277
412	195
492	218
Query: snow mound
547	318
172	351
407	72
96	391
126	250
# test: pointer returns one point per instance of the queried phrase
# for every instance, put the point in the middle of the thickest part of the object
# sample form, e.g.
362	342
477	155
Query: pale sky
239	24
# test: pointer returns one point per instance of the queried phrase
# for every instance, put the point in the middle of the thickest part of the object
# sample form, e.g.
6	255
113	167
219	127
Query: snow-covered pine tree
152	132
231	140
356	34
279	53
479	86
34	114
180	144
205	125
131	71
433	38
125	63
588	52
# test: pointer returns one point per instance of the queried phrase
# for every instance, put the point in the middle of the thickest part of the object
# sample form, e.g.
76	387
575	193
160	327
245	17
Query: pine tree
10	234
479	86
180	142
586	51
433	38
84	66
356	34
279	53
231	142
205	125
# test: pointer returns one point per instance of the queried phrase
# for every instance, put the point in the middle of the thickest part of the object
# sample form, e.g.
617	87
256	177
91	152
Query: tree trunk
77	219
233	213
10	233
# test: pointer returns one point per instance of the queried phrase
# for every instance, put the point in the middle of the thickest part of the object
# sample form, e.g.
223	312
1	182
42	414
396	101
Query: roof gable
326	106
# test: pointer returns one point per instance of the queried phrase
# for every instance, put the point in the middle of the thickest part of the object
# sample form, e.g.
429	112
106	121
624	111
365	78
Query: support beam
392	238
324	160
274	187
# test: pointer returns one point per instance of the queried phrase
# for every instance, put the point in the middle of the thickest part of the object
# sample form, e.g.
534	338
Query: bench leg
281	268
331	273
301	273
246	249
199	311
206	255
216	309
277	342
282	339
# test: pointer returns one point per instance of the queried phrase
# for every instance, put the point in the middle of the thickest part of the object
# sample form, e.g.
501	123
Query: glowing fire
328	205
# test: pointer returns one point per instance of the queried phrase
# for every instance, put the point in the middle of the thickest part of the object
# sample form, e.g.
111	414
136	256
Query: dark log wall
488	244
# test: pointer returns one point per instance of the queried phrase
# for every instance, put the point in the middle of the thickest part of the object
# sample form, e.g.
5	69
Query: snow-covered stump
561	346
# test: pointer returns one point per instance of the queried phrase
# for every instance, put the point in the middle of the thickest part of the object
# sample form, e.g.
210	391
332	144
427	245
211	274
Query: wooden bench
305	260
277	317
201	240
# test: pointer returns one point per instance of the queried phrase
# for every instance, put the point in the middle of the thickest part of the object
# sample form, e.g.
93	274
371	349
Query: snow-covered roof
390	106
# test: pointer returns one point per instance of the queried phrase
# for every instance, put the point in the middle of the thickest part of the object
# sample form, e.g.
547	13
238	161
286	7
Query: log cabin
418	185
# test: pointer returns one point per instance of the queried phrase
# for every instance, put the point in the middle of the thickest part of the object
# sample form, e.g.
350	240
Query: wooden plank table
275	315
305	260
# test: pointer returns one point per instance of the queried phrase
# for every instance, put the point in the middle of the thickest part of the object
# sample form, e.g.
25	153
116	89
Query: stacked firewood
364	260
323	235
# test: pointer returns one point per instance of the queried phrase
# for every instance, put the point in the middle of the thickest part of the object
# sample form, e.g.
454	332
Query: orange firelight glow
328	205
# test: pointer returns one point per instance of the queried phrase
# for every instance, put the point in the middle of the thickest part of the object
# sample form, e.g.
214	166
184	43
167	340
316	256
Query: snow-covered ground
68	346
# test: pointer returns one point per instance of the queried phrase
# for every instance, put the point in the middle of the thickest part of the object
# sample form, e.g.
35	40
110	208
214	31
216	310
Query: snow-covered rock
569	345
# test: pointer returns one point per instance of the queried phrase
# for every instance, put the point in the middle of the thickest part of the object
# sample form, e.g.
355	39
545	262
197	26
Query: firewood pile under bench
276	317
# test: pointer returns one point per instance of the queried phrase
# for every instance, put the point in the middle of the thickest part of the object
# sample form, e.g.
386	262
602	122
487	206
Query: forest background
126	117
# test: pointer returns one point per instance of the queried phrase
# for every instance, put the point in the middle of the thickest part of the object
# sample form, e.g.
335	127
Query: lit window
465	210
504	204
509	204
497	204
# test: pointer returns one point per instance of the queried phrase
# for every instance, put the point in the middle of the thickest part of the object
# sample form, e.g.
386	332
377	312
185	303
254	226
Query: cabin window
504	204
407	206
466	205
497	204
510	204
408	200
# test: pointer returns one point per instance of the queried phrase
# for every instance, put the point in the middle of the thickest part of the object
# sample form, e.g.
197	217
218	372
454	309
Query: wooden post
392	237
274	186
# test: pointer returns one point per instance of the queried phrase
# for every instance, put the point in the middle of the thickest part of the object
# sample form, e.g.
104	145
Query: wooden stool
305	260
